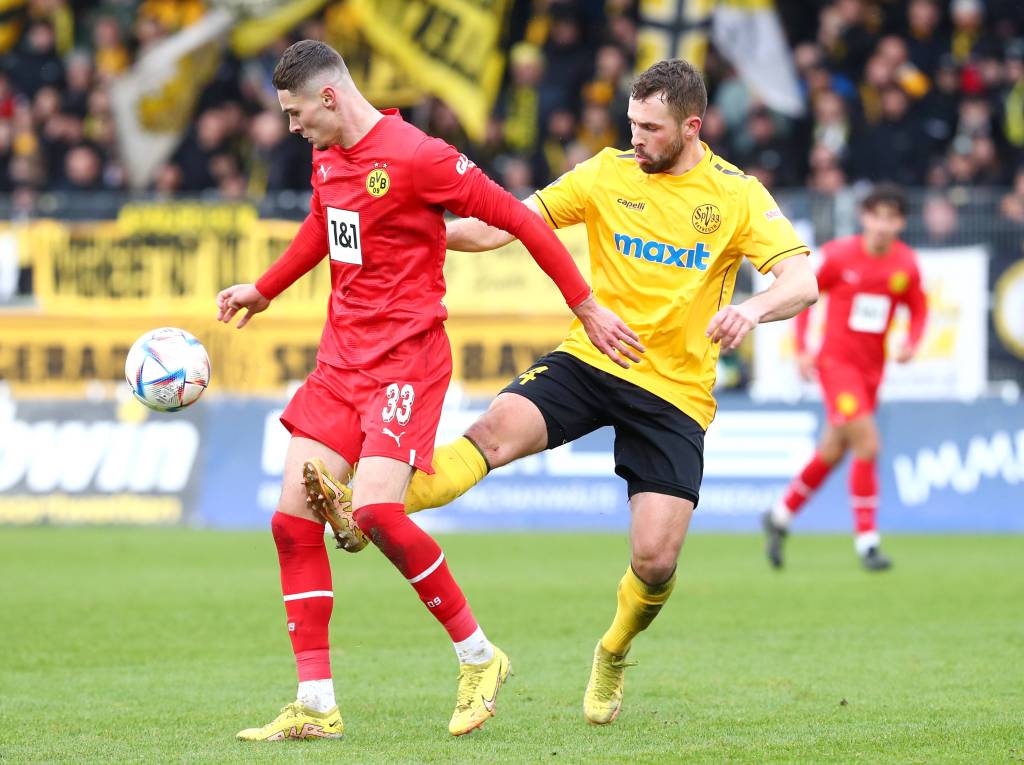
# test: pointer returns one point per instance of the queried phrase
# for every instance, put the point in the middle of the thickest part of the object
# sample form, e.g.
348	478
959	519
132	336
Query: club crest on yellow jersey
707	219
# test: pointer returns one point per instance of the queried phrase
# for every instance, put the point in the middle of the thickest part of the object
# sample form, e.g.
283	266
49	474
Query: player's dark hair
886	194
677	83
304	60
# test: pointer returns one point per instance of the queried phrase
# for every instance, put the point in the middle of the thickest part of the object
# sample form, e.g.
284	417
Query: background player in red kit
866	277
380	188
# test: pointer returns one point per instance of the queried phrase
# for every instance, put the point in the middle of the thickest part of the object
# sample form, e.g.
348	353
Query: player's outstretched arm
794	289
473	235
233	299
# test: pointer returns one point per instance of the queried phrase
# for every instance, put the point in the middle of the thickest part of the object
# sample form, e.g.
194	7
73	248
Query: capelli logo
638	206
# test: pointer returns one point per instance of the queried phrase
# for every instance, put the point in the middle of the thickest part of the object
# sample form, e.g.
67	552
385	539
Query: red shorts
389	410
849	392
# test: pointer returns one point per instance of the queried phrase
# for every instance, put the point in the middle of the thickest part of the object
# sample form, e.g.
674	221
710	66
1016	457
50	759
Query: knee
654	566
866	448
490	436
831	452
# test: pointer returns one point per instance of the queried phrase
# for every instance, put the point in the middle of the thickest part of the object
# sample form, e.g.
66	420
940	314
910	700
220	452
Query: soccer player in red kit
380	188
865	277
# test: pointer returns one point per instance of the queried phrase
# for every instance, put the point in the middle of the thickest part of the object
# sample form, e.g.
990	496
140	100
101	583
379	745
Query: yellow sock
458	467
639	603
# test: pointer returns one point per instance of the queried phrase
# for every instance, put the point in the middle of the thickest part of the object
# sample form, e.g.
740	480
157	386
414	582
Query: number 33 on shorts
399	403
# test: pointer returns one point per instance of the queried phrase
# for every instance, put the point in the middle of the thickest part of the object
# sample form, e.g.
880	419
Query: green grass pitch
156	646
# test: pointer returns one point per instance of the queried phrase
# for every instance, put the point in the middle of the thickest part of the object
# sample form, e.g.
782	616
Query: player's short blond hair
301	62
677	83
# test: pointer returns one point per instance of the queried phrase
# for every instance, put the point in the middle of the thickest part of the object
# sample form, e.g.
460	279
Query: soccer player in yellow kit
668	225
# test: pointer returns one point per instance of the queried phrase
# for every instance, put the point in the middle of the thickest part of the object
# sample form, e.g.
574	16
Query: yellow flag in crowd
746	32
448	48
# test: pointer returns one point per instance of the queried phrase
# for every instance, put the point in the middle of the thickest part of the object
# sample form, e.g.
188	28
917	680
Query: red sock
421	562
864	495
804	485
306	585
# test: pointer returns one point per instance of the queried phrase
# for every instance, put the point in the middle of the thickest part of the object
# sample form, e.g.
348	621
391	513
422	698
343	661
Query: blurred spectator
878	77
968	35
519	105
1011	206
208	139
938	110
277	161
551	161
110	53
831	124
892	150
515	175
36	63
768	156
847	35
941	221
82	170
75	98
1012	102
926	44
713	131
596	130
568	62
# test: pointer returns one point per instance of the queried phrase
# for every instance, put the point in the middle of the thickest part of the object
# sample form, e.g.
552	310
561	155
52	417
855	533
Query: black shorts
657	447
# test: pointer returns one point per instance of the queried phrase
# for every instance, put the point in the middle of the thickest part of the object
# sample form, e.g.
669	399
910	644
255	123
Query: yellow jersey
664	252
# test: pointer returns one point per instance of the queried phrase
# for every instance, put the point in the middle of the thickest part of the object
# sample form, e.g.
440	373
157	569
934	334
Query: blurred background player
380	186
866	277
690	218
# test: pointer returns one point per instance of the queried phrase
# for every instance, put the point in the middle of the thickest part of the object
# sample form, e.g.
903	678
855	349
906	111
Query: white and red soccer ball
167	369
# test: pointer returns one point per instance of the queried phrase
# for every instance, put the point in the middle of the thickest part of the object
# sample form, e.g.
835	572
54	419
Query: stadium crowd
921	92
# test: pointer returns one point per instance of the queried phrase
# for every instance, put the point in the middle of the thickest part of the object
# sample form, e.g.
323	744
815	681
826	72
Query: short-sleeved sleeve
563	202
765	235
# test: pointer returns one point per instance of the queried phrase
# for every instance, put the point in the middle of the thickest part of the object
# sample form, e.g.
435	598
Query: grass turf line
156	646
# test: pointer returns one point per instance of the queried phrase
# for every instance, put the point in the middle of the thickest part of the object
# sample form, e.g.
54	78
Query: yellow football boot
331	502
297	721
478	691
603	697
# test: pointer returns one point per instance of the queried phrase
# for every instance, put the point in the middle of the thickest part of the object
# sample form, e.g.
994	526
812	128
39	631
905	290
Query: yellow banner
450	48
47	356
170	258
173	259
670	29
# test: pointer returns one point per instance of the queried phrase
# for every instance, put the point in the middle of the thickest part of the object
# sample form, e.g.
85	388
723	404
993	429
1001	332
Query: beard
659	164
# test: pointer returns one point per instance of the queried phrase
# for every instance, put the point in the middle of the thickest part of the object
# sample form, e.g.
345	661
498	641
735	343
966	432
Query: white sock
865	541
781	514
318	695
476	649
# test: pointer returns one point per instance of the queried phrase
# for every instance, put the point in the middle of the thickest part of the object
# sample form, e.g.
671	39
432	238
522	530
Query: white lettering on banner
998	456
720	498
108	456
750	444
870	313
574	498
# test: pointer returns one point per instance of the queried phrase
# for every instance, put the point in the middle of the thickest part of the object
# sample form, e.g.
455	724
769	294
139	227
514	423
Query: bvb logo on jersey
707	219
378	182
898	282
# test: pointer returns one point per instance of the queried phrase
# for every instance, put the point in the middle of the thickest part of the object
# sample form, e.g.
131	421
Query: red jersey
378	212
863	292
